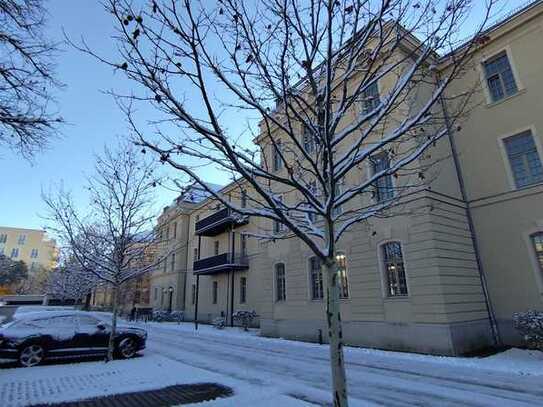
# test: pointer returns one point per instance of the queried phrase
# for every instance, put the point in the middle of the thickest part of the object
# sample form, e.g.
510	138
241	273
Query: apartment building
29	245
445	277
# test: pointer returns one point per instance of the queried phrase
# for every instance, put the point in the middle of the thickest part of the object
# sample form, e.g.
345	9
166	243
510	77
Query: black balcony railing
218	222
220	263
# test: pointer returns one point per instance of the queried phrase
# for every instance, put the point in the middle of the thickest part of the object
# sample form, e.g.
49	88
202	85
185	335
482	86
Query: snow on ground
277	372
70	382
518	361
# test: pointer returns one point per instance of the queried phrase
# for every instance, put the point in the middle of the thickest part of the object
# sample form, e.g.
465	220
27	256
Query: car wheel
31	355
127	348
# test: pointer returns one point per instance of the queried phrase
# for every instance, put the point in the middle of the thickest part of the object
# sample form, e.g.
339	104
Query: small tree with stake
337	86
111	239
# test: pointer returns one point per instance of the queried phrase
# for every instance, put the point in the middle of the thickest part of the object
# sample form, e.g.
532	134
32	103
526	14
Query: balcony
221	263
219	222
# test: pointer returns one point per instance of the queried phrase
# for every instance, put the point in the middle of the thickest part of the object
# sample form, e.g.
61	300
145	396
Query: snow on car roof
45	314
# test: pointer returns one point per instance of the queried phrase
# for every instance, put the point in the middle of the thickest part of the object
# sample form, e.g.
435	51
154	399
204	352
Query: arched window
315	278
341	260
280	282
394	269
537	241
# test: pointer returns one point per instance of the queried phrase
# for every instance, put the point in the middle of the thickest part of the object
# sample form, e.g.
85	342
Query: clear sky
93	118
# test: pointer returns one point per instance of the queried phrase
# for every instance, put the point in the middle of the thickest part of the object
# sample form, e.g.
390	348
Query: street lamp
170	291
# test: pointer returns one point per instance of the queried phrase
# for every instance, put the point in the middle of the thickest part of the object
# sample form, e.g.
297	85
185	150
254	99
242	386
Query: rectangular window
315	274
34	253
524	159
14	253
384	189
172	264
280	283
537	240
277	160
215	291
278	226
308	140
243	243
370	98
3	238
499	77
394	269
22	239
216	247
155	293
243	290
196	254
342	275
243	199
175	230
193	294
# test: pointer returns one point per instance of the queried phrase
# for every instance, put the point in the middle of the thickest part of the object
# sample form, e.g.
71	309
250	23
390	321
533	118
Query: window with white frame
277	160
215	291
155	293
22	239
315	278
280	282
34	253
3	238
394	269
383	186
524	159
499	77
537	241
370	98
14	253
242	290
342	281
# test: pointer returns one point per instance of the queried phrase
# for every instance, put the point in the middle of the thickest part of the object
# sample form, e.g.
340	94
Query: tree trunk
335	335
111	344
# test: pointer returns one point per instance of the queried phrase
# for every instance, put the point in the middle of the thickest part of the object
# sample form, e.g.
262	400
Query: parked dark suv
33	337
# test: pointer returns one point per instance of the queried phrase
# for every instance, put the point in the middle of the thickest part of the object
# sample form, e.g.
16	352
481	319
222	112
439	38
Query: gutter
473	234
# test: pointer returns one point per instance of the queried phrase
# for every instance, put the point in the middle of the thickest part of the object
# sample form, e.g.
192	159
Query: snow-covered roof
196	193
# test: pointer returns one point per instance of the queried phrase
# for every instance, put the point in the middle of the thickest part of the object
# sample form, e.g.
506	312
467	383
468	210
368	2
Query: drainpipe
197	286
232	280
473	235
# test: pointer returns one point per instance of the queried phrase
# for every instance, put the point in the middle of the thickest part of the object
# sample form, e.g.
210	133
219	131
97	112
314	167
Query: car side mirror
101	327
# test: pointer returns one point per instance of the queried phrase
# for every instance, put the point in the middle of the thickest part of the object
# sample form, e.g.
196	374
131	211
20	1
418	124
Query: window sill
499	102
398	298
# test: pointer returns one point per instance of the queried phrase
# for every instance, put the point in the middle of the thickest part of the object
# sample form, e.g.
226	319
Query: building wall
505	216
446	310
33	240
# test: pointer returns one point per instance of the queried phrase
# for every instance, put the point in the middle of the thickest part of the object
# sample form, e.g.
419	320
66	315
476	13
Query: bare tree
113	236
70	281
339	88
27	80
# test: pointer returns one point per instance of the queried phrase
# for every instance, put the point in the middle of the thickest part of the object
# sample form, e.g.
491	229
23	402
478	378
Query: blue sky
93	118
